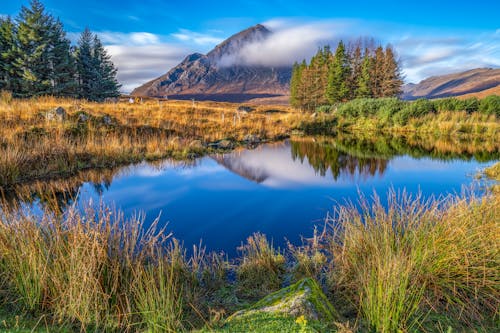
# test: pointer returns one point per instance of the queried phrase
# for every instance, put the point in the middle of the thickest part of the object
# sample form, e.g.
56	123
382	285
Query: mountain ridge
218	76
456	84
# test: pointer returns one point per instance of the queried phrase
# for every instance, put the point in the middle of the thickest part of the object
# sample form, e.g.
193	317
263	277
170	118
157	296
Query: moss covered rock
303	299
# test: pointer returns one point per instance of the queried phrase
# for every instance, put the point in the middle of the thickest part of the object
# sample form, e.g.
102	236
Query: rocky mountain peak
220	75
234	44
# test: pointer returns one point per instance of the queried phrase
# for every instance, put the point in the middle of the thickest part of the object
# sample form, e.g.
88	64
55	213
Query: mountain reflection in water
280	189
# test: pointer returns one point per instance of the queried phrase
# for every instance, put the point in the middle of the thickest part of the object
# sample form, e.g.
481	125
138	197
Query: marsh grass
401	261
261	268
407	264
101	135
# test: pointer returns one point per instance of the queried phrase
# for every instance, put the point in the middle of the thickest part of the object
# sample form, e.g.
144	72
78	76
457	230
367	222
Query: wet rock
196	144
251	139
245	109
57	114
223	144
304	298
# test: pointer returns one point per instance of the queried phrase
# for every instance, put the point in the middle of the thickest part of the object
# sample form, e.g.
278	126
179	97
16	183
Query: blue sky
148	37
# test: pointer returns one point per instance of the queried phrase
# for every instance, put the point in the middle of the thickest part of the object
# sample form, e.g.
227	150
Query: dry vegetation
95	135
36	143
403	266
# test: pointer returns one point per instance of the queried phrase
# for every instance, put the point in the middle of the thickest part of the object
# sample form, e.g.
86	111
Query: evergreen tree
96	72
377	75
294	85
338	77
85	65
364	85
391	79
63	74
34	41
105	84
10	75
356	69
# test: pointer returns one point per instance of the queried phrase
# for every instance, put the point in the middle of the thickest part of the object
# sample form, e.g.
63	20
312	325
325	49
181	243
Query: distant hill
471	82
212	77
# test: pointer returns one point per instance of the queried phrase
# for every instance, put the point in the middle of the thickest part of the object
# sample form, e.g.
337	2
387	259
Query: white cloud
422	51
142	56
189	36
138	64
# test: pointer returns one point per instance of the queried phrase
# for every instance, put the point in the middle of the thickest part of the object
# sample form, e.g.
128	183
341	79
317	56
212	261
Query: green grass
406	265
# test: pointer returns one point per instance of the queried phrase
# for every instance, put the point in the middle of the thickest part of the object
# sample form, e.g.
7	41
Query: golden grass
107	134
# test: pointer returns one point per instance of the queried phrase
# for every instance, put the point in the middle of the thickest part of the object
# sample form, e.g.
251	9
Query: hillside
469	82
213	77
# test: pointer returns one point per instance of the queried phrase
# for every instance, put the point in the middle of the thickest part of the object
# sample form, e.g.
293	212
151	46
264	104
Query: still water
282	189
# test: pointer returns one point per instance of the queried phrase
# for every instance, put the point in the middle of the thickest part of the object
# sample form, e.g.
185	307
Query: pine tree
338	87
105	84
391	79
356	69
10	76
63	73
96	72
34	41
377	74
85	65
294	85
364	84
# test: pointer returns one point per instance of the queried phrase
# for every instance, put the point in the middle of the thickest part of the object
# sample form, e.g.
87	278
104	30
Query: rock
244	109
56	114
222	144
304	298
107	120
251	139
196	144
82	117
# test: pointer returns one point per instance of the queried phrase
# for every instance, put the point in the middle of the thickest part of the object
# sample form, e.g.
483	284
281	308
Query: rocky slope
216	76
468	82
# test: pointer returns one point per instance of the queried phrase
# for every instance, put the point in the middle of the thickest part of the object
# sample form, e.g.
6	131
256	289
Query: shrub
449	104
490	105
415	109
471	104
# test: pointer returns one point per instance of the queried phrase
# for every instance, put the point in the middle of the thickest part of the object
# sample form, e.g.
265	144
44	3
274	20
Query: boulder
251	139
196	144
57	114
244	109
223	144
304	299
82	117
107	120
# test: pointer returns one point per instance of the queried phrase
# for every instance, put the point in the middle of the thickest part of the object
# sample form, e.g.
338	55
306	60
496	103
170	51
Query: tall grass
261	268
411	257
101	135
407	264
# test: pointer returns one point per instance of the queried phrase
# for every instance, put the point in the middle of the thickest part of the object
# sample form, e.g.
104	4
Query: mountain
220	75
472	81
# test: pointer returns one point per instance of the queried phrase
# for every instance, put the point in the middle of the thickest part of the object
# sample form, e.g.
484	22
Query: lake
281	189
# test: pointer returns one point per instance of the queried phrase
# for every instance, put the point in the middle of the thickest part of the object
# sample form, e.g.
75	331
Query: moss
304	298
261	322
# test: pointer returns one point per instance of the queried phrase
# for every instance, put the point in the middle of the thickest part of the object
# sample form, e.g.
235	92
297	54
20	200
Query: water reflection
281	189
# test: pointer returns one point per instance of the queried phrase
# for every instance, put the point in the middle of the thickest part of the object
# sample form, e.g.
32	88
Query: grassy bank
450	116
405	265
36	142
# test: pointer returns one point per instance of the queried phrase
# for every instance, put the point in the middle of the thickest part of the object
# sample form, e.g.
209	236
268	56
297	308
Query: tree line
36	58
359	71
